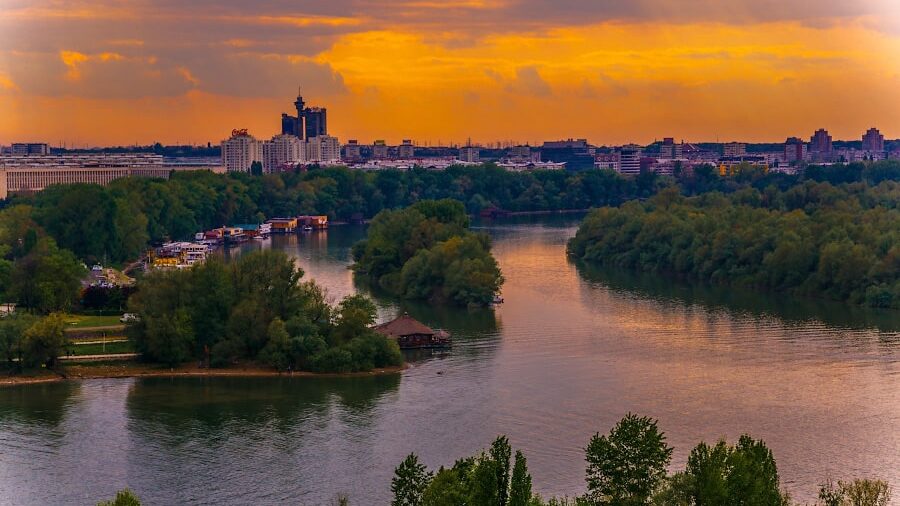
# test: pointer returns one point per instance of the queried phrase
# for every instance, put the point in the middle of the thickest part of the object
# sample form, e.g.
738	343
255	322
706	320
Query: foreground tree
856	493
410	481
625	467
123	498
500	454
520	486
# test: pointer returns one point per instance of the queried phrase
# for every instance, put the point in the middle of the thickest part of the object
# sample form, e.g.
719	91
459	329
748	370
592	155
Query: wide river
570	352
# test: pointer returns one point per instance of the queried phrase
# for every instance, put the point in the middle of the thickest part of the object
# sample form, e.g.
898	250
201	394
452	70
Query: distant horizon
485	145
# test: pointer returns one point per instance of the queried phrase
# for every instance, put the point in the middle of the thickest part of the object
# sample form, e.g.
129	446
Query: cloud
528	79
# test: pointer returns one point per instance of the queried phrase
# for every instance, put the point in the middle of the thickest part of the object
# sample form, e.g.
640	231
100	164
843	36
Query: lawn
77	321
98	348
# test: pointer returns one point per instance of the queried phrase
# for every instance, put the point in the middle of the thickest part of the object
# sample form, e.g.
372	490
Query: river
570	352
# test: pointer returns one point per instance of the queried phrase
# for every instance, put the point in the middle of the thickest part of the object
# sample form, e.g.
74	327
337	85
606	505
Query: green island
426	251
834	234
257	309
627	466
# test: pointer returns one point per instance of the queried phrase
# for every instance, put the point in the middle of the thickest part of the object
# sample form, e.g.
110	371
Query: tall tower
299	103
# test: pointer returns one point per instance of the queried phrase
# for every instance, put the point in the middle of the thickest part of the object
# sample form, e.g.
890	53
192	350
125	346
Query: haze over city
107	73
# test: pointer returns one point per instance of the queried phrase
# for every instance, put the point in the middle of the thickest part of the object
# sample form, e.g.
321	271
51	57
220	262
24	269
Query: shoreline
133	370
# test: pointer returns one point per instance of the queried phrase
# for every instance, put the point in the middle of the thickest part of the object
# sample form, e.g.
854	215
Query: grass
77	321
98	349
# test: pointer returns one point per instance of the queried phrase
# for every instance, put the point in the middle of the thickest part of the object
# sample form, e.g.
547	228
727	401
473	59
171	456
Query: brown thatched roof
404	325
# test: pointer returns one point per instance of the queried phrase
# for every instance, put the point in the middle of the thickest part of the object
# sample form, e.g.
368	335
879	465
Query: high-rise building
309	121
240	151
470	154
282	151
820	142
323	149
29	148
734	149
670	150
872	140
406	150
379	150
794	150
630	160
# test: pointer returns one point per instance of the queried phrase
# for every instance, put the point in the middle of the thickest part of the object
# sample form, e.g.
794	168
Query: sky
123	72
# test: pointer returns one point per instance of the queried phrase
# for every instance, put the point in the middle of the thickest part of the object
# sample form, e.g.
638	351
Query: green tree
168	338
708	470
752	474
45	341
123	498
449	487
356	313
625	467
520	486
500	453
47	279
12	336
859	492
410	481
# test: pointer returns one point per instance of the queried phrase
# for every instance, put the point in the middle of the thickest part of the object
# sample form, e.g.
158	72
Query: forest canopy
839	242
426	251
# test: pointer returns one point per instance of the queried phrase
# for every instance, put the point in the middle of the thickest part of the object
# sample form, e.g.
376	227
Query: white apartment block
283	150
323	149
240	151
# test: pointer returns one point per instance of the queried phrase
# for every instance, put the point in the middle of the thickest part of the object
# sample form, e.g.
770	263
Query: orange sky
136	71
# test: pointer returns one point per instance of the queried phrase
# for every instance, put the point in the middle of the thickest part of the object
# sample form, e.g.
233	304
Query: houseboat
412	334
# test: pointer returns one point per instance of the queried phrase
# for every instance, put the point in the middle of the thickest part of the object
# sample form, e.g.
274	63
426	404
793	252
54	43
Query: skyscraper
872	140
309	121
820	142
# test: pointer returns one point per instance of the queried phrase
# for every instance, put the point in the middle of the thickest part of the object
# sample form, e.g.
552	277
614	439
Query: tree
45	341
256	168
410	481
47	279
500	453
168	338
520	486
856	493
625	467
448	488
752	474
707	468
355	314
123	498
12	335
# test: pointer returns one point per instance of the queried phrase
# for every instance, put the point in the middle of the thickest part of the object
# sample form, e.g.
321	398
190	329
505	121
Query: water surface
572	350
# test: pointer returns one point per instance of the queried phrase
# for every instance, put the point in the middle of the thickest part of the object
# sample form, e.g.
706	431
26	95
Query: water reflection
42	404
209	406
741	302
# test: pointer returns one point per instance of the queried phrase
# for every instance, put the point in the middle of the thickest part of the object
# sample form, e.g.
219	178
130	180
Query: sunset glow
124	72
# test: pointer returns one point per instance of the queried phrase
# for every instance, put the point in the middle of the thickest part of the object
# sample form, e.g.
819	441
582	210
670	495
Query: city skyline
101	73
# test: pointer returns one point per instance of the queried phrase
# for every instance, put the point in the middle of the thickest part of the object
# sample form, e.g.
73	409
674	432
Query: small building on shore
411	333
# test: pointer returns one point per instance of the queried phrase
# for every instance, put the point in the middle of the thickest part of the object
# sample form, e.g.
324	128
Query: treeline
254	309
115	223
839	242
426	251
628	466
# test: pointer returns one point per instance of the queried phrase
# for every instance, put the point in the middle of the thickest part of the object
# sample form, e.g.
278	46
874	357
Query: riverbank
137	370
